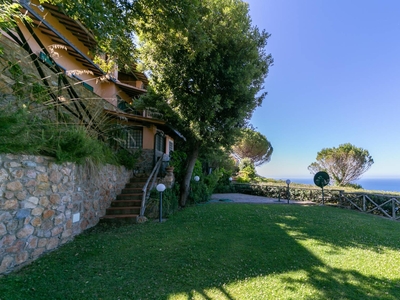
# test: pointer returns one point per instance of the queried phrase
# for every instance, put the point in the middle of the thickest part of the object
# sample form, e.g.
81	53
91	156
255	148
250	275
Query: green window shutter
44	58
87	86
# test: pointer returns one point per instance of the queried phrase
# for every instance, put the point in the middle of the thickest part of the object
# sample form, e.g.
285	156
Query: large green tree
253	145
207	64
111	22
9	14
344	164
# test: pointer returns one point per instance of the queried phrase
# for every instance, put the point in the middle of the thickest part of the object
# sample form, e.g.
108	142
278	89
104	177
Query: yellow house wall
168	139
148	137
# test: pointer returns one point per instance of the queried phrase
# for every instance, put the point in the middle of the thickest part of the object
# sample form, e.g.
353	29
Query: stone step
112	211
132	185
136	179
130	218
133	190
126	203
130	196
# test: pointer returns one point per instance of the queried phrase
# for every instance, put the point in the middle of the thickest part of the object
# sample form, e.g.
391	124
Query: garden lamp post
196	179
160	188
288	191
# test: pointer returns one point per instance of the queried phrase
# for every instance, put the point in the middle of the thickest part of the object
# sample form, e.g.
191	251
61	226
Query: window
121	104
170	146
132	137
160	143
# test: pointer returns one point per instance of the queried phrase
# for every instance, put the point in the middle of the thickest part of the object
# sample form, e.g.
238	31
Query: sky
335	80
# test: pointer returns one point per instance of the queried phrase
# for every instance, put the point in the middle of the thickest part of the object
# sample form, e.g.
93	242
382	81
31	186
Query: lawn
224	251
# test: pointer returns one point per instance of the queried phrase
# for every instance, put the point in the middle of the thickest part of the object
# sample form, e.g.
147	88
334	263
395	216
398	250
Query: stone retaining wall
43	205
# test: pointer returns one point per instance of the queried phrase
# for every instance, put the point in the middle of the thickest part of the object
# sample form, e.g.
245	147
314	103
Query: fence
378	204
383	205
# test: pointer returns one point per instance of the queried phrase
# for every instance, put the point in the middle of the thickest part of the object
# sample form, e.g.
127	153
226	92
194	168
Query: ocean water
376	184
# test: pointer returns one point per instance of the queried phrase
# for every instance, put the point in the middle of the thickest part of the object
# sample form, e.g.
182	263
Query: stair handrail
153	175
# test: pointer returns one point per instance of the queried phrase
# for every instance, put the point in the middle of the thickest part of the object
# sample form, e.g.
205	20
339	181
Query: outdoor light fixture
160	188
40	7
196	178
288	191
230	179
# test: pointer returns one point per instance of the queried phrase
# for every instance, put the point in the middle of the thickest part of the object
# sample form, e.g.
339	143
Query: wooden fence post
393	209
364	204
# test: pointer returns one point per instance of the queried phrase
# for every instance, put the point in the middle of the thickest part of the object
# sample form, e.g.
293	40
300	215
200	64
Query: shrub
177	160
170	202
16	136
127	159
224	185
247	171
353	186
199	192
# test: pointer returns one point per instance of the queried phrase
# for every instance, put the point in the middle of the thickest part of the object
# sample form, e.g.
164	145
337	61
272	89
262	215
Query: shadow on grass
203	252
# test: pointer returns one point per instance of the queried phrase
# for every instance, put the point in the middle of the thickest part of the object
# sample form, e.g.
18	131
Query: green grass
224	251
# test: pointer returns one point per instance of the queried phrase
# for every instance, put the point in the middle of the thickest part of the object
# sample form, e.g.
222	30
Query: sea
375	184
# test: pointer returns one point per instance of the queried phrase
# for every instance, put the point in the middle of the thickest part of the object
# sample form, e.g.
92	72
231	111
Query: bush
353	186
170	202
224	184
247	171
74	146
178	160
127	159
24	133
15	134
199	192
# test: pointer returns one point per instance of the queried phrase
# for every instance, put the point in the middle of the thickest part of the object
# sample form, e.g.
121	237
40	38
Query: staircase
126	207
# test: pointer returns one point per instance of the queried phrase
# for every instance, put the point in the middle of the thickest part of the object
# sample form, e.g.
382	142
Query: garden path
244	198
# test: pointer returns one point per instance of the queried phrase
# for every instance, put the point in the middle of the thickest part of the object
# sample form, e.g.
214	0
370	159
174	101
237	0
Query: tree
9	14
207	64
344	164
247	171
253	145
111	23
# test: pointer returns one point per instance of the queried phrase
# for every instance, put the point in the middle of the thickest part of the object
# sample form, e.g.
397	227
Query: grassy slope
224	251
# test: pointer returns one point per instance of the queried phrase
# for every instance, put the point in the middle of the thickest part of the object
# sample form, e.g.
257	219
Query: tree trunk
190	162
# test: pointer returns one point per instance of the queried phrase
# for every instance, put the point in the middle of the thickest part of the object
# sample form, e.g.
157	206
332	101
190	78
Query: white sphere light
288	181
196	178
160	187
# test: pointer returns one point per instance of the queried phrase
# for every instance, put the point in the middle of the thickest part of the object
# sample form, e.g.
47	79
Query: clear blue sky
335	80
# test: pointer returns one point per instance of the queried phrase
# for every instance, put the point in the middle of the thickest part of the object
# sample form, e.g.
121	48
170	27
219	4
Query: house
63	45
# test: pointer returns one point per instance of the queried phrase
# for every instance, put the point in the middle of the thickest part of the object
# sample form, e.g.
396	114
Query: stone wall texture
43	205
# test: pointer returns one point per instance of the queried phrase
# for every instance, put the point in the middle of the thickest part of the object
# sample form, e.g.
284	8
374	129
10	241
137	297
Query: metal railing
151	180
